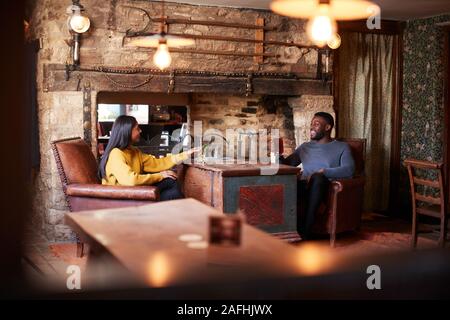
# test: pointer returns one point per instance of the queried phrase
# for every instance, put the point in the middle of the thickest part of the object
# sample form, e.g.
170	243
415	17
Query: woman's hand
193	150
169	174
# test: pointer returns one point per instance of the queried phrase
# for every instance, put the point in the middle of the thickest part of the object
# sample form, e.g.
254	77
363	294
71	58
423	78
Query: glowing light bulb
321	27
334	42
162	57
79	23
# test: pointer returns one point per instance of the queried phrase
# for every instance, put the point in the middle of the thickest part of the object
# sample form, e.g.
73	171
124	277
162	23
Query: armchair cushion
149	193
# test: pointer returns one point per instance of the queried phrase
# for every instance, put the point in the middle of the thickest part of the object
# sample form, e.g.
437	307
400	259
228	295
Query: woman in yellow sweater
123	164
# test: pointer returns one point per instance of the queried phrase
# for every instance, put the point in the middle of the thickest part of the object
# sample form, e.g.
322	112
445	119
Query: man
323	159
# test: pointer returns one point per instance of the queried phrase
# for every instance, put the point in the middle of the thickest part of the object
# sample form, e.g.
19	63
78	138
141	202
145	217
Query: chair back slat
428	199
426	182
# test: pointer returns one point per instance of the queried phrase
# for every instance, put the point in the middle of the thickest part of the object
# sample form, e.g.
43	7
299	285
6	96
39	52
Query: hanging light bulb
162	58
321	27
334	42
162	41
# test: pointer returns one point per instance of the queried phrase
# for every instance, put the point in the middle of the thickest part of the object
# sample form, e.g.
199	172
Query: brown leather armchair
345	198
77	168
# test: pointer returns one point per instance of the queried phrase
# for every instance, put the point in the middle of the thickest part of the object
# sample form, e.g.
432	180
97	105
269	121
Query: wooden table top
145	241
247	169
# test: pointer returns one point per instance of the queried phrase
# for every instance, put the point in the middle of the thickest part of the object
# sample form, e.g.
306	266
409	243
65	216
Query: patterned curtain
366	75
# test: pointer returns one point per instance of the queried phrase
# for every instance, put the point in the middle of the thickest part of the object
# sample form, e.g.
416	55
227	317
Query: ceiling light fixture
323	14
163	41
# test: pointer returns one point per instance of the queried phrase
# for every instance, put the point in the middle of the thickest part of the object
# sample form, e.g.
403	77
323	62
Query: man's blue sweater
335	157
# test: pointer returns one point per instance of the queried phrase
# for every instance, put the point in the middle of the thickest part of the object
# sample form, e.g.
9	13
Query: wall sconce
78	23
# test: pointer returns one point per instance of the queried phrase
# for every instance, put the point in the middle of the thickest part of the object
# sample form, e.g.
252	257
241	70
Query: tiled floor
378	234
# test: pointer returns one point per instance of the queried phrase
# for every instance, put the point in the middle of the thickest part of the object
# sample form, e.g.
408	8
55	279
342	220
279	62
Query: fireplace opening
162	118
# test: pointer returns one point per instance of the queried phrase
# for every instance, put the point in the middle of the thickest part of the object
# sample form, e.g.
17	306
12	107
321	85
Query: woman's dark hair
120	138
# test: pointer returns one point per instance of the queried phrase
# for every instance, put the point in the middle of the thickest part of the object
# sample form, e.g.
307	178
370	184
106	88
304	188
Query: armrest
341	184
150	193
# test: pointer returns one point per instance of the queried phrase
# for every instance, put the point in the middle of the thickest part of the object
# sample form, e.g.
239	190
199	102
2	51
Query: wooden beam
231	39
259	47
256	55
215	23
54	80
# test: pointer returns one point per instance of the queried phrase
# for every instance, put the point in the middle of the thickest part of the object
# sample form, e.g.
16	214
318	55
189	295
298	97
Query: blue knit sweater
335	157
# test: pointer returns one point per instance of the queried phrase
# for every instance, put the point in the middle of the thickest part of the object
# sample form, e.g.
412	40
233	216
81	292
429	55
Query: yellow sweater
131	167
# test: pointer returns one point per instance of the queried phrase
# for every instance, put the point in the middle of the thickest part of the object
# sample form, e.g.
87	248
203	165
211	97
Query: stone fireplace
280	91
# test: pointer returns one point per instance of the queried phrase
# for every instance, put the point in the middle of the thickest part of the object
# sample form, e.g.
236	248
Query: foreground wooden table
144	241
266	195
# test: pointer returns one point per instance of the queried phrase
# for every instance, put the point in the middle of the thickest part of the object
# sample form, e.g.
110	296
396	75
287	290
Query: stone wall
304	108
235	112
61	113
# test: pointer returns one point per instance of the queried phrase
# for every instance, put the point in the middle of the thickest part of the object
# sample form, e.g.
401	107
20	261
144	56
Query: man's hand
169	174
321	171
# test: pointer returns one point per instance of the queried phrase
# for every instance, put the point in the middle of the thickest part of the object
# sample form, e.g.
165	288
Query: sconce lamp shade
338	9
79	23
153	41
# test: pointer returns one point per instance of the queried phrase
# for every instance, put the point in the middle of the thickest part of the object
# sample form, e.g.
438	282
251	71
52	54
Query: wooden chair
429	205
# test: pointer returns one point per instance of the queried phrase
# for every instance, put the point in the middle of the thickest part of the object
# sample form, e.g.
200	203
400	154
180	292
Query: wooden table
266	195
144	241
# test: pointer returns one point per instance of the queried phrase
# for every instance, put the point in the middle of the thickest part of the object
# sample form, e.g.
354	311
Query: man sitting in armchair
323	159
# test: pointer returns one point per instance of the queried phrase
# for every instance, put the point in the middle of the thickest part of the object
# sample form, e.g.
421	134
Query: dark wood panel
396	122
55	80
203	185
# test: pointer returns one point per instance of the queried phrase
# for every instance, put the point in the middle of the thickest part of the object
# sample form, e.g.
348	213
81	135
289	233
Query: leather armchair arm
150	193
341	184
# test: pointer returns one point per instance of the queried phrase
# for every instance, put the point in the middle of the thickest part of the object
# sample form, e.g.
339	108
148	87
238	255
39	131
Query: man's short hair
327	117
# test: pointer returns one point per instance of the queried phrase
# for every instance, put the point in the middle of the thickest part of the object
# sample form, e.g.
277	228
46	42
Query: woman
125	165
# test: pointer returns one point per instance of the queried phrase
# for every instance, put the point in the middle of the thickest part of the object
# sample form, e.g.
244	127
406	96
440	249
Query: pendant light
323	14
163	42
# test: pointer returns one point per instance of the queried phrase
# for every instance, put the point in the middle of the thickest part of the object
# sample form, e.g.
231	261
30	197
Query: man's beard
319	135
